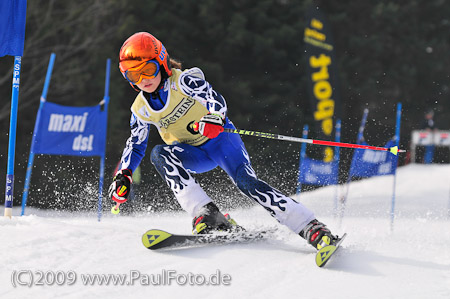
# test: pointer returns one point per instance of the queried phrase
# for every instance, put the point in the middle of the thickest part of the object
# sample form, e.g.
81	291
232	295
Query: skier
190	117
429	125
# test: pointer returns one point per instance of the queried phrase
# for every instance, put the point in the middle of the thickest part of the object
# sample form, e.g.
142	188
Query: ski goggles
148	70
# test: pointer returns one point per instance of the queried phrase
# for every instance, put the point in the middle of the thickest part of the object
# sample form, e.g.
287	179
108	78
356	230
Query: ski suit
184	98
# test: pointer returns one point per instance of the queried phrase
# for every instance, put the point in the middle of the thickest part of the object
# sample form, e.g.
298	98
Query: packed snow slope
411	260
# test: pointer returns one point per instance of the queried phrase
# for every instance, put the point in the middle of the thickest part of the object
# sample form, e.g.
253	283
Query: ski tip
154	237
324	254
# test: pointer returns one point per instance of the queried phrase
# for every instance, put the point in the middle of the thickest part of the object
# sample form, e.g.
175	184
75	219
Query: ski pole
394	150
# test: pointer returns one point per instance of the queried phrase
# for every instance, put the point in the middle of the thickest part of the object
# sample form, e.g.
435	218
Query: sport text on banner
322	78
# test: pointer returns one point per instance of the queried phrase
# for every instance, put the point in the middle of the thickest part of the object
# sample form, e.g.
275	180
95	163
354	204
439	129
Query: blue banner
319	173
74	131
368	163
12	27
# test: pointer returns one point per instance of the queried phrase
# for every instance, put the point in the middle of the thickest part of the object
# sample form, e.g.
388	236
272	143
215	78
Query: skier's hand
120	188
210	125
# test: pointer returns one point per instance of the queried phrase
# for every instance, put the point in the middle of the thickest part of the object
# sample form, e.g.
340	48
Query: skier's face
150	85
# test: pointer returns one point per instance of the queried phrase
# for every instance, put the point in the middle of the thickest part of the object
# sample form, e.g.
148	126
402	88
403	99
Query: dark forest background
252	52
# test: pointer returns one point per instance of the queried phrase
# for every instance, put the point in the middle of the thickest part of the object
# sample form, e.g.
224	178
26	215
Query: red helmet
140	47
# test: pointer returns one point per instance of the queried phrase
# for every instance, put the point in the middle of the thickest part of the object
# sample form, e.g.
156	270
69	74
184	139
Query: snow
410	261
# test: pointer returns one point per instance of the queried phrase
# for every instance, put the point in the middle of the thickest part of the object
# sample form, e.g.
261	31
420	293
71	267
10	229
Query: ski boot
210	220
318	235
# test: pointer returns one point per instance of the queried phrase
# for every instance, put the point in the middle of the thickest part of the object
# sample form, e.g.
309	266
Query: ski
325	253
155	239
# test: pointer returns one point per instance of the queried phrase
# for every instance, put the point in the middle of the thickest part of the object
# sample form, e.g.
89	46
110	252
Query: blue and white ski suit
183	100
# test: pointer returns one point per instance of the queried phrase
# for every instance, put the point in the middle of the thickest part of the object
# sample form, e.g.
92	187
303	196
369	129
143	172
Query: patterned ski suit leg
231	155
174	163
285	209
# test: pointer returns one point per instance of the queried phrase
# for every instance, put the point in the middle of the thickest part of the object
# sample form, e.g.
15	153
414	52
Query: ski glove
210	125
120	188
